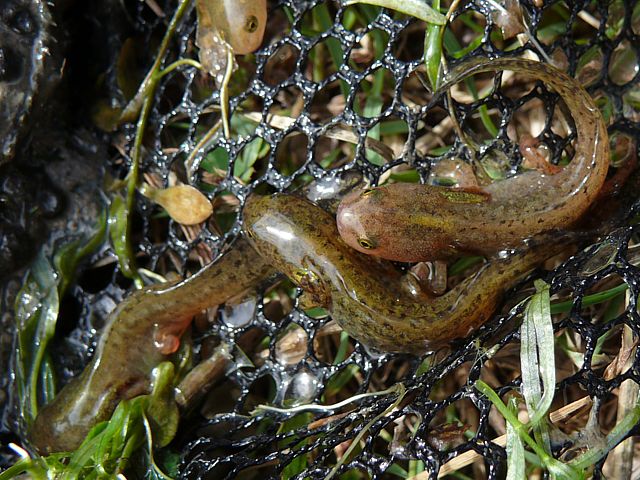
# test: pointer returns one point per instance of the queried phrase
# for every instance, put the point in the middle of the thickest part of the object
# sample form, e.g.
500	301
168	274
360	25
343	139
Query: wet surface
301	370
29	67
52	159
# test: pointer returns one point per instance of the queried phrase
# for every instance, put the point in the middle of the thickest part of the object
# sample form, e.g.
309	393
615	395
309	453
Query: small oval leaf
184	203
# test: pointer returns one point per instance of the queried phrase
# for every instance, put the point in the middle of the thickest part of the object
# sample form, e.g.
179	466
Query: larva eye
251	25
366	243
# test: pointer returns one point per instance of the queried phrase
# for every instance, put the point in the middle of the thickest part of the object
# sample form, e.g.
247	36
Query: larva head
357	218
401	222
246	20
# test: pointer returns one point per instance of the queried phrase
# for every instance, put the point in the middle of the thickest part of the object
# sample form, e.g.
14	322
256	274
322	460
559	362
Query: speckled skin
145	329
142	332
240	23
412	222
365	296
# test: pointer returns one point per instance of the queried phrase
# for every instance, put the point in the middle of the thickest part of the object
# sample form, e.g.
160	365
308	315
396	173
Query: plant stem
148	84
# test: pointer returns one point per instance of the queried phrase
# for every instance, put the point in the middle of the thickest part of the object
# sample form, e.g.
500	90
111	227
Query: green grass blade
66	259
615	436
118	232
593	299
321	13
453	47
415	8
558	469
21	466
433	50
36	313
515	448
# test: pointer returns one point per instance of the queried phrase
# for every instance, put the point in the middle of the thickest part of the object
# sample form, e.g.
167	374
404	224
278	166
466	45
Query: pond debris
184	204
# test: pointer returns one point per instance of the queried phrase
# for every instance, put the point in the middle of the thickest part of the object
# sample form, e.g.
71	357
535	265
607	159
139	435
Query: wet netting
341	88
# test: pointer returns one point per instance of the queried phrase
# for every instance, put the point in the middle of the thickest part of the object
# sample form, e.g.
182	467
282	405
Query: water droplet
590	66
301	389
291	345
239	314
623	64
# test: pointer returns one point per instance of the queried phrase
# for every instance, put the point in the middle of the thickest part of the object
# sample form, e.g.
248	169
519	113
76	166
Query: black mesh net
314	102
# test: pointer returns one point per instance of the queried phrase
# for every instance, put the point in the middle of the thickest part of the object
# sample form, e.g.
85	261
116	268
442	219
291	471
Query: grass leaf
433	50
613	438
36	313
68	256
118	232
108	446
537	354
515	448
415	8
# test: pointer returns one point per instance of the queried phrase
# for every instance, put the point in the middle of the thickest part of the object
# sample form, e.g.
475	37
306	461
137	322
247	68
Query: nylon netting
293	353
